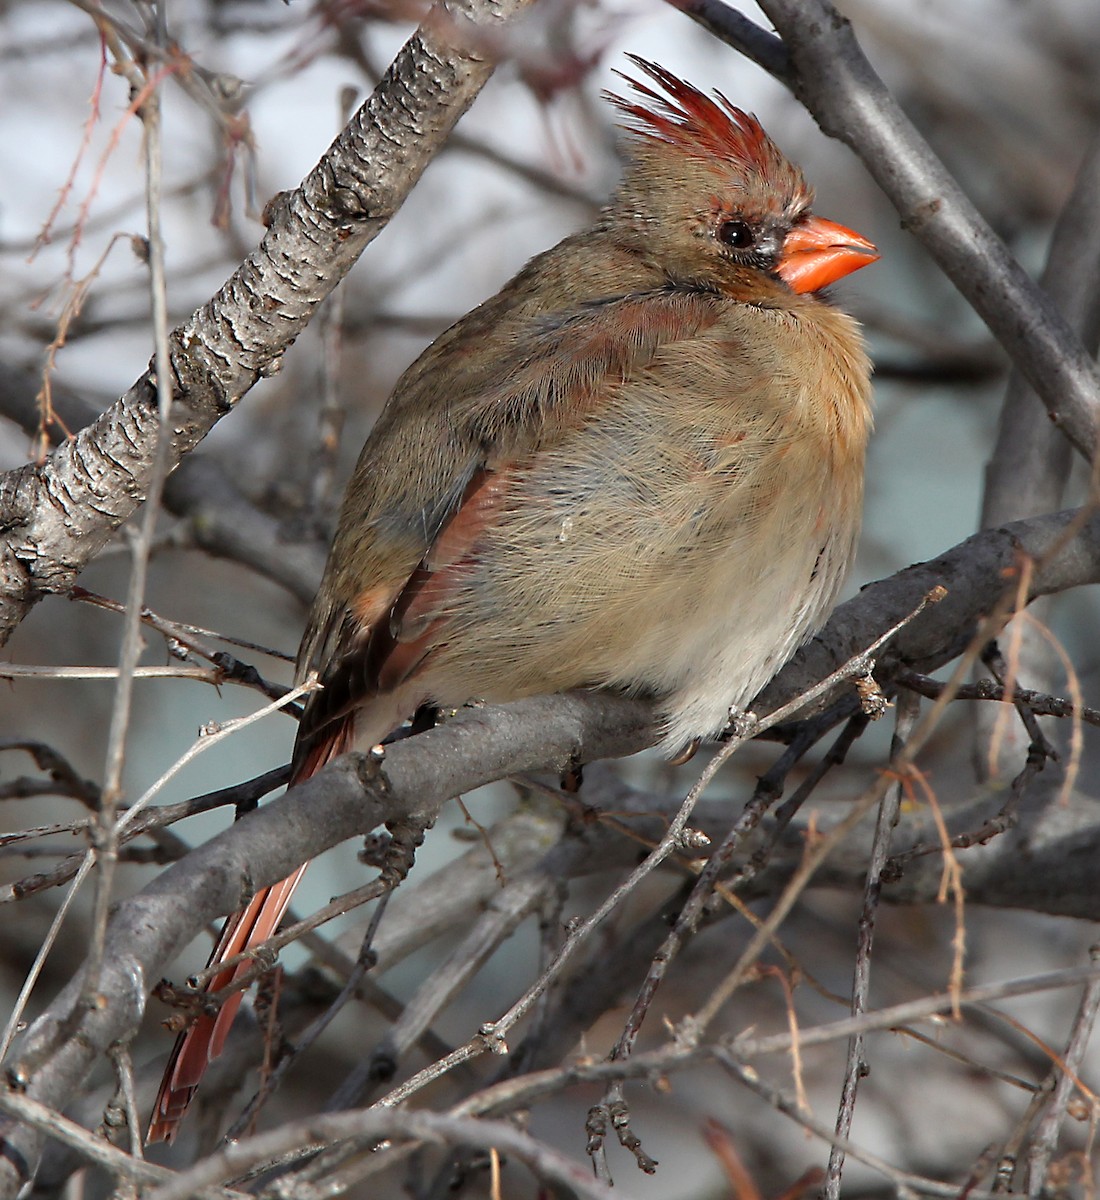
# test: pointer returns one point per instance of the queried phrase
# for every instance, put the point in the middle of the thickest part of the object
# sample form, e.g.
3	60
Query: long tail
202	1042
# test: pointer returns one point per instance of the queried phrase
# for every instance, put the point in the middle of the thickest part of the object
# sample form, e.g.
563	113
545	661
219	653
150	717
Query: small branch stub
872	699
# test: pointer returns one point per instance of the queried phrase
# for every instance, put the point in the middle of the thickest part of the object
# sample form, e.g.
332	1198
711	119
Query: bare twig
242	795
91	1148
856	1067
12	1027
106	832
1046	1133
365	961
1042	704
491	1035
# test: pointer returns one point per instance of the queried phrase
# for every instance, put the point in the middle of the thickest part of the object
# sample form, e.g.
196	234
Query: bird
637	467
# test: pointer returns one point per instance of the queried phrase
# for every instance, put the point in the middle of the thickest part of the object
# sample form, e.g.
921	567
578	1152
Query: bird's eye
737	234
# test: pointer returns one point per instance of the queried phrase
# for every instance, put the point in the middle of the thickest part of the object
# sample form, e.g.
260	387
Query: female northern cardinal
639	466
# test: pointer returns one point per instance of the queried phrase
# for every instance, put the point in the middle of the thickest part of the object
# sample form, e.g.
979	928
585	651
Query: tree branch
419	774
57	515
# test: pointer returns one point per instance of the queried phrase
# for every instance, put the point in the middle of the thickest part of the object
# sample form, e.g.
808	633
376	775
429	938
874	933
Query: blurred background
1007	93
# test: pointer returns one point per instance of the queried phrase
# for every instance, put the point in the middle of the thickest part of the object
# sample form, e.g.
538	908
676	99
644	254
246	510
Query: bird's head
709	196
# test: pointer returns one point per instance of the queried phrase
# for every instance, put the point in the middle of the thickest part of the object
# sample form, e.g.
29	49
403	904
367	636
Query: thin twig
124	1076
154	822
375	1125
107	830
1042	704
12	1027
45	671
855	1067
612	1108
91	1148
1046	1133
210	736
816	854
365	961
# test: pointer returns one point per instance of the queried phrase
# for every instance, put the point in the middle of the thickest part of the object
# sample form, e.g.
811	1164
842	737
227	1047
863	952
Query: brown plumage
639	466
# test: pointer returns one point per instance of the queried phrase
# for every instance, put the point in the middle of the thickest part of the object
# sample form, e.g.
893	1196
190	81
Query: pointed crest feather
694	123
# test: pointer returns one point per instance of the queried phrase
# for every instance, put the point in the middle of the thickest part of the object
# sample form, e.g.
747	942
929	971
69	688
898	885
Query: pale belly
656	566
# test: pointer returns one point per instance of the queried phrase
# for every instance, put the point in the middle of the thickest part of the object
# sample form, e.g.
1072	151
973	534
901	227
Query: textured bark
57	515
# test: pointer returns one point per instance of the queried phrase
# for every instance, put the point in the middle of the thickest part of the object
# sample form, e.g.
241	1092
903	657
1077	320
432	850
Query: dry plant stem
829	74
612	1107
593	988
179	634
1006	1157
106	833
263	956
524	1091
1005	820
677	1054
86	864
210	737
767	792
905	1183
506	911
243	795
1041	704
856	1067
61	771
124	1076
58	515
148	929
37	671
1006	676
1045	1140
969	1061
787	811
93	1149
411	1023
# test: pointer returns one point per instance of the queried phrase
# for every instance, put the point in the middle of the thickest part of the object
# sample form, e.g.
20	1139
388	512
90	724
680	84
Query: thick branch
418	775
220	518
57	515
1030	464
352	796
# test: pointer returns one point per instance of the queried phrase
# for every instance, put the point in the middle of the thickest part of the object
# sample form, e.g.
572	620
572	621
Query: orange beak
819	252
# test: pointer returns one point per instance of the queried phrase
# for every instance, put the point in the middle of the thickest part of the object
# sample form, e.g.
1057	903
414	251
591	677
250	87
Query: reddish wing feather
203	1041
390	651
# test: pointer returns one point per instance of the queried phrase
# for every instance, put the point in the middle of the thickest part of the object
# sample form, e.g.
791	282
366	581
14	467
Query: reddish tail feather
203	1041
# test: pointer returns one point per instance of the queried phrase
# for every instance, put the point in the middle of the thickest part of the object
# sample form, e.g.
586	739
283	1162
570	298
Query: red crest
693	122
